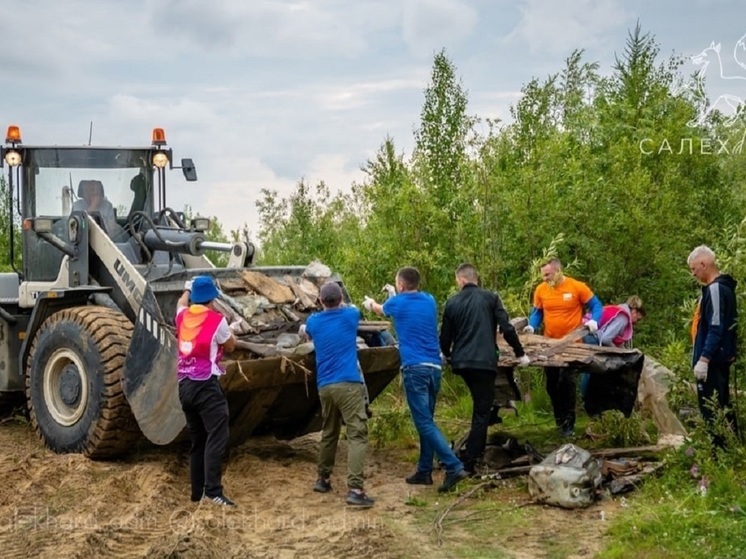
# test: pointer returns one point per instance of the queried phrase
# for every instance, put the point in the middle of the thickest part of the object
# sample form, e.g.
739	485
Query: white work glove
700	371
302	331
390	289
592	326
528	329
188	285
235	326
368	303
524	361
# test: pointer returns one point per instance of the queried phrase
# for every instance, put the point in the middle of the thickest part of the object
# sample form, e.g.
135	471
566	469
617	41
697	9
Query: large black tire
73	382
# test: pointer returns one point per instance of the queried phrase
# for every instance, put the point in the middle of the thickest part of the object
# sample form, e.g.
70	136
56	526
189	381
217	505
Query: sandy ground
68	506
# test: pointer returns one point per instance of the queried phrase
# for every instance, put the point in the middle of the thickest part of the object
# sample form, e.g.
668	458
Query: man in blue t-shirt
341	391
415	315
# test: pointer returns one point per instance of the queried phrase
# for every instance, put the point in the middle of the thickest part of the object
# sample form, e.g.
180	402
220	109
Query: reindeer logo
733	105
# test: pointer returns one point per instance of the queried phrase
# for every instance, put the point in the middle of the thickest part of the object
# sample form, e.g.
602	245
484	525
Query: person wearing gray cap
341	391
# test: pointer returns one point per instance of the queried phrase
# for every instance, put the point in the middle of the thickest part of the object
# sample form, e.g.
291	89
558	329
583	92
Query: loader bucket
270	387
278	396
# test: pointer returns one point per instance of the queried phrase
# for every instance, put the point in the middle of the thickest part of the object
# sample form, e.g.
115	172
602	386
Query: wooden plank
373	326
651	451
564	342
273	290
306	300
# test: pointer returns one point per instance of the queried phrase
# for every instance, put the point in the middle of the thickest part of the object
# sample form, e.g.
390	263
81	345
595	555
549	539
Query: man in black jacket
468	339
714	336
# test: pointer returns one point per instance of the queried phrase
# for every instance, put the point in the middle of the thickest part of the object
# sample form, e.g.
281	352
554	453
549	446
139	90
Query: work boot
358	498
451	480
322	485
420	478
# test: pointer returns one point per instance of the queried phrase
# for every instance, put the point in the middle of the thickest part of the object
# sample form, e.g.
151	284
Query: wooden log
265	350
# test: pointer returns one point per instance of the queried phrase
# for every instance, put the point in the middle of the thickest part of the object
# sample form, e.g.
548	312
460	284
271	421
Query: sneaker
196	498
322	485
420	478
221	500
451	480
358	498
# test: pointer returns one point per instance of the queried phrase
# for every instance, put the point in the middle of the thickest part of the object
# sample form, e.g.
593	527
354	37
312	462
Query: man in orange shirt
559	302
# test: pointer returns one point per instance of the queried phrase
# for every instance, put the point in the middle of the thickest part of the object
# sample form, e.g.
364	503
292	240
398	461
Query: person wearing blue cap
203	334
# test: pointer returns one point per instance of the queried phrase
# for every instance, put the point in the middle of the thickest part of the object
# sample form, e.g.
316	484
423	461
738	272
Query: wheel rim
65	387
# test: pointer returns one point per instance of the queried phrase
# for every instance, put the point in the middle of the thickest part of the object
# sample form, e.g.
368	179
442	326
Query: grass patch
697	508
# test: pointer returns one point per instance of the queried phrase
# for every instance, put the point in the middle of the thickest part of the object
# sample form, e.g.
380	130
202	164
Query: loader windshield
114	182
57	179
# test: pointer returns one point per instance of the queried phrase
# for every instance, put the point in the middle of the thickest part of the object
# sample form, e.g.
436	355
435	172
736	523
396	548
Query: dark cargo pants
206	411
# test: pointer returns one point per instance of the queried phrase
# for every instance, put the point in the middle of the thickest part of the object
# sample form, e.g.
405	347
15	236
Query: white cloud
345	97
429	25
561	27
265	93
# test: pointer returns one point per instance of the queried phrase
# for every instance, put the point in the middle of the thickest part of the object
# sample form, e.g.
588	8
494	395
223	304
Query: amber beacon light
159	137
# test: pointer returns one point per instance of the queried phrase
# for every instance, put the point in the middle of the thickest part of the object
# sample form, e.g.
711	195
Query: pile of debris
569	476
270	310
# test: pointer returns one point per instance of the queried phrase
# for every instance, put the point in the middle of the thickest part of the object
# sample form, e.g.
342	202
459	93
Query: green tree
6	219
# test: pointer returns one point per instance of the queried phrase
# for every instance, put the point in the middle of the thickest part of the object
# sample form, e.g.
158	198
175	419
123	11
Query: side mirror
189	170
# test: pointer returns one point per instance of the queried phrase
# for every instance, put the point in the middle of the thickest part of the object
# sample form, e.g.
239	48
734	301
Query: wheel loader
86	319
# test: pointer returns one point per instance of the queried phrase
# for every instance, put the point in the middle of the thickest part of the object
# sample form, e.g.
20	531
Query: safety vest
612	311
196	328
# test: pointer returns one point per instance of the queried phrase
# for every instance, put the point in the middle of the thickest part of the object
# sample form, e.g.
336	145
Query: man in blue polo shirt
415	315
341	391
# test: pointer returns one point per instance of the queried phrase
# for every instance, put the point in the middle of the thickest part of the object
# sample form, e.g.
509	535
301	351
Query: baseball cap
331	293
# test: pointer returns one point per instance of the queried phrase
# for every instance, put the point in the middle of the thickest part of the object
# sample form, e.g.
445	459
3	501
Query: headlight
160	159
200	223
42	224
13	158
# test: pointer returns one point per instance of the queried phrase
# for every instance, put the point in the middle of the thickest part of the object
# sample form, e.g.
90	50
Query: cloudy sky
264	93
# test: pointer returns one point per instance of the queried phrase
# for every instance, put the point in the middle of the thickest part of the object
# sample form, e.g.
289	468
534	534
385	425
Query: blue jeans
422	384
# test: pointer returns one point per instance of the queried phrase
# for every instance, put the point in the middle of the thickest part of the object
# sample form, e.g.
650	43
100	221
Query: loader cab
54	181
122	189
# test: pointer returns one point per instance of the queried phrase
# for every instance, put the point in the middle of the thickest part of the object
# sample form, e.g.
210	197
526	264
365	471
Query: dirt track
69	506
